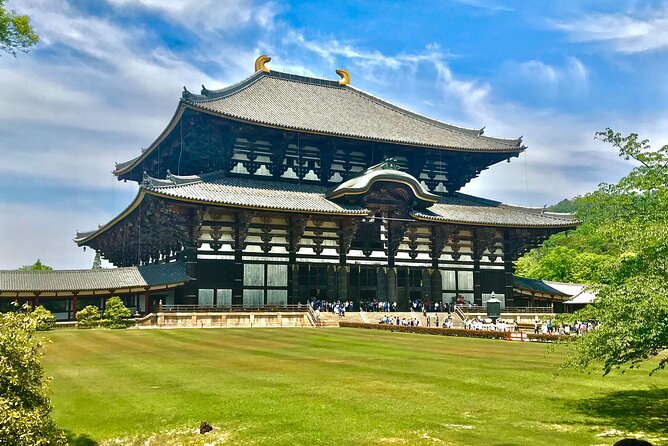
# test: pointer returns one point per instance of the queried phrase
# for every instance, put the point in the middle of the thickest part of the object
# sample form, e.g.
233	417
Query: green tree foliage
24	406
116	313
564	206
16	33
89	317
97	261
621	248
37	266
44	318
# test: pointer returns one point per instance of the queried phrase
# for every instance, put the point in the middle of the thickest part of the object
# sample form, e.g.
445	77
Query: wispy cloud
491	5
628	32
208	15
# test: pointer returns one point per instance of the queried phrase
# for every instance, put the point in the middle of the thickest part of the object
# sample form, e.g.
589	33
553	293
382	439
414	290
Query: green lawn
341	386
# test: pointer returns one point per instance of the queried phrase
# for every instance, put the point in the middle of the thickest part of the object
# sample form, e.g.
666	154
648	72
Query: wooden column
295	285
343	283
381	277
74	306
508	268
147	302
392	295
477	254
426	284
436	285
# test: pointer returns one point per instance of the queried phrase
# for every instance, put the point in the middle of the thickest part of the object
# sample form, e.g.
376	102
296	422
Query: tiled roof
466	209
321	106
536	286
93	279
306	197
246	192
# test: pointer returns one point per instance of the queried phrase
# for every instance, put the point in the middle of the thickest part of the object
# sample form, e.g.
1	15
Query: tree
24	404
627	224
89	317
37	266
44	318
16	33
116	313
97	261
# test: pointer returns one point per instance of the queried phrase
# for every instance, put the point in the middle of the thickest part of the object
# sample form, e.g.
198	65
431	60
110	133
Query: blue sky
107	76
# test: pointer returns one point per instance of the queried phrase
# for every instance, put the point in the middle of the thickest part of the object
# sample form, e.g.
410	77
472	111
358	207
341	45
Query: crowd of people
550	327
336	307
434	315
447	321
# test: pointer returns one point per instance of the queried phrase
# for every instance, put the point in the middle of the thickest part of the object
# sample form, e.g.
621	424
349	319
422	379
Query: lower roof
99	279
217	189
537	286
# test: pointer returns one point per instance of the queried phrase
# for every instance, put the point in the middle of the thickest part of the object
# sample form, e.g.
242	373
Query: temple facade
282	189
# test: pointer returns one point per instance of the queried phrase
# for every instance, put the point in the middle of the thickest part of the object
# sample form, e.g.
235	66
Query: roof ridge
207	95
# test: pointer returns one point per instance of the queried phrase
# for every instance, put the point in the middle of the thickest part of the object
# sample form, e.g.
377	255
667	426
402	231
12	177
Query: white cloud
626	32
208	15
35	232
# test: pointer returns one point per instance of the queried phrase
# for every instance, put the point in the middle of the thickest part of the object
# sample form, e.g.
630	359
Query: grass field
340	386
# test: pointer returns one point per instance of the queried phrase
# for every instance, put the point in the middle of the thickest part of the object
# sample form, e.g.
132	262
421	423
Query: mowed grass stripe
328	386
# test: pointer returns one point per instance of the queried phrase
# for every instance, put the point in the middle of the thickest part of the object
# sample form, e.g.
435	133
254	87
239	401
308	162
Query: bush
44	318
24	406
430	330
544	337
116	314
89	317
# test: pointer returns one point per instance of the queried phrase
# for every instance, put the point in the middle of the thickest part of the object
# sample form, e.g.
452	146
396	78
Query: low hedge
430	330
543	337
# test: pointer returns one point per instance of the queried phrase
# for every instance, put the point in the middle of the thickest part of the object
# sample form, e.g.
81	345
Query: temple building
284	188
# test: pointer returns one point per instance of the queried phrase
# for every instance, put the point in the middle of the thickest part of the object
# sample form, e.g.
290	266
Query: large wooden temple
283	188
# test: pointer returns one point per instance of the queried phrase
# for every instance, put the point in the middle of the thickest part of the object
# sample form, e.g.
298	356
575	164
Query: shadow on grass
630	411
79	440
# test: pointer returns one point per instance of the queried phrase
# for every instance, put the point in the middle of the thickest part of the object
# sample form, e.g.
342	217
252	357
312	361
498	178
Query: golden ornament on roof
260	63
345	76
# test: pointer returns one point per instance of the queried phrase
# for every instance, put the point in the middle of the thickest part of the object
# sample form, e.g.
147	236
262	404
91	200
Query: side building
283	188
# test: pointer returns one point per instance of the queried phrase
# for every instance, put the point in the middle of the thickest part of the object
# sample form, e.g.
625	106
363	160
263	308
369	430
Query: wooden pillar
331	283
343	283
436	286
508	268
381	277
477	254
74	303
426	285
296	295
147	302
392	295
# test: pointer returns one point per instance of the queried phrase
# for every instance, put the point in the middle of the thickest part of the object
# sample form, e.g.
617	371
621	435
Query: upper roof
93	279
322	106
319	106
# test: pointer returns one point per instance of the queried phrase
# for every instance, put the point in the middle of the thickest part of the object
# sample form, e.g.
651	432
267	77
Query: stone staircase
332	320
